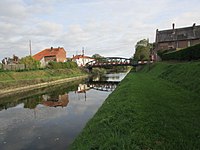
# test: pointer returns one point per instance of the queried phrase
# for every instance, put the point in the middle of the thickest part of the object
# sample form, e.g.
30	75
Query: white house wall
43	63
82	61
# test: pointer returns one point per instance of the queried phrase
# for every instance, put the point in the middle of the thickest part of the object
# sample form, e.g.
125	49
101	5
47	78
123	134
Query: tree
142	50
95	56
30	62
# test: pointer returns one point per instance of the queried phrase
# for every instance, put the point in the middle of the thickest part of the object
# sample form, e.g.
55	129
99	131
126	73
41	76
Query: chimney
51	48
173	26
194	24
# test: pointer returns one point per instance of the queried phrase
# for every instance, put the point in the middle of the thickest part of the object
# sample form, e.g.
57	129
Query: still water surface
51	118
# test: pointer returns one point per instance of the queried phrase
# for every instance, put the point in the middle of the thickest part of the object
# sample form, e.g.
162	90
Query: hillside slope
186	75
156	109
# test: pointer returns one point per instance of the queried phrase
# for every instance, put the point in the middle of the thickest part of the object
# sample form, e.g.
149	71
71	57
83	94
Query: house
10	61
177	38
51	54
81	60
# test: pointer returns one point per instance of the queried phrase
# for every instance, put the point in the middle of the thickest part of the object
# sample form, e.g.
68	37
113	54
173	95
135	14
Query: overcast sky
106	27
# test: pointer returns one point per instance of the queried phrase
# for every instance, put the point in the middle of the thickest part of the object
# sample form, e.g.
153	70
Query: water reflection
56	94
55	100
59	98
50	118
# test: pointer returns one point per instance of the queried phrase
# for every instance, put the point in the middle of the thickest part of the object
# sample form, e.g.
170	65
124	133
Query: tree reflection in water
57	96
50	96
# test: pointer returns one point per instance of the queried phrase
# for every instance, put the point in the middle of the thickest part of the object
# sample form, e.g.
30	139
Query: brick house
51	54
177	38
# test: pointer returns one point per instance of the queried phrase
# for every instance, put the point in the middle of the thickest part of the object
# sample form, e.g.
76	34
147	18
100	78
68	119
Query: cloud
105	27
13	9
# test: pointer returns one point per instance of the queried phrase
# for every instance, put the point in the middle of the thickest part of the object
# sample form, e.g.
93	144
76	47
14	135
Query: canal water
51	118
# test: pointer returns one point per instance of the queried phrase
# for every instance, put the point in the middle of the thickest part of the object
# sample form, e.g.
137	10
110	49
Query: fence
12	67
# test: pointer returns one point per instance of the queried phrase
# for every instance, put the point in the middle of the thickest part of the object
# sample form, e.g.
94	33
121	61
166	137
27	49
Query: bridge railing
110	61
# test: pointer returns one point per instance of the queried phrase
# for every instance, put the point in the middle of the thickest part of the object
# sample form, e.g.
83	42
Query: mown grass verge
148	110
11	79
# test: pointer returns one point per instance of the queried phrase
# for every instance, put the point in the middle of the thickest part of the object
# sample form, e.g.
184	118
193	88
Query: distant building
51	54
177	38
81	60
10	61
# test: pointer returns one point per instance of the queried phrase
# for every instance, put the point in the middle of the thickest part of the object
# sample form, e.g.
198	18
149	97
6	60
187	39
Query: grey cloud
12	8
106	27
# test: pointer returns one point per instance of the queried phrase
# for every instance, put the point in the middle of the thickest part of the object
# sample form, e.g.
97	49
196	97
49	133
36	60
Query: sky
105	27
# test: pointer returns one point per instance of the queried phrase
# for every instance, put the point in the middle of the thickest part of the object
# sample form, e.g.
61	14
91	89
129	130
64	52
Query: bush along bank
148	110
187	54
61	65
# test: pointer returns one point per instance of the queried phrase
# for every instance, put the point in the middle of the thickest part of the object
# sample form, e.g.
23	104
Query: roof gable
48	52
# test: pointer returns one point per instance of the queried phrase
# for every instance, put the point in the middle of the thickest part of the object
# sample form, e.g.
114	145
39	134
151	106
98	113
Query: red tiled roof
47	52
81	56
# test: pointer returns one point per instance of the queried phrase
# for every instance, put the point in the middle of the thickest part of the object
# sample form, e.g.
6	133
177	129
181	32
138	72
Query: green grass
148	110
186	75
11	79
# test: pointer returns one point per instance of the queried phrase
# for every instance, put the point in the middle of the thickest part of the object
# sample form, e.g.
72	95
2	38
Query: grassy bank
11	79
156	109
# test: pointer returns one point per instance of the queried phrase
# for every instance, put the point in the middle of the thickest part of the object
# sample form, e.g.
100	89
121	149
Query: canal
50	118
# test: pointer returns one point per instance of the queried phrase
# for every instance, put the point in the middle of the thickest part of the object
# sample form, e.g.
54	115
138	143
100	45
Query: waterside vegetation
13	79
186	54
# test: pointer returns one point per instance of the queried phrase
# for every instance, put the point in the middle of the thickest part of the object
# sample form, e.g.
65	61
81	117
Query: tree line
143	50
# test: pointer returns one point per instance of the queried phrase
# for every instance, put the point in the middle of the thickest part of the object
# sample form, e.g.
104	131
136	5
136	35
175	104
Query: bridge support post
90	69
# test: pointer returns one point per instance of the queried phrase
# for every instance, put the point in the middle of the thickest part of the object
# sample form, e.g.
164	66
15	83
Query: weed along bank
150	109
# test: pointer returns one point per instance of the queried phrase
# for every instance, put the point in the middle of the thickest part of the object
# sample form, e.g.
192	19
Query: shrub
62	65
187	54
30	63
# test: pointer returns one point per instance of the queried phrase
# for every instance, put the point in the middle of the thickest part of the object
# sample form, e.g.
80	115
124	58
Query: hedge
187	54
61	65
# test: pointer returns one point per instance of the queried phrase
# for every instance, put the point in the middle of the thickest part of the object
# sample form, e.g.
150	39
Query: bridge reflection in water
106	86
62	100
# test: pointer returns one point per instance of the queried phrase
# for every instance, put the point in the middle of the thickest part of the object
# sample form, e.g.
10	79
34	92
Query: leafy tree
30	62
142	50
95	56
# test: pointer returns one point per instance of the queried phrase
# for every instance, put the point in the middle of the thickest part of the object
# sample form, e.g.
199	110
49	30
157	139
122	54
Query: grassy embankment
156	109
11	79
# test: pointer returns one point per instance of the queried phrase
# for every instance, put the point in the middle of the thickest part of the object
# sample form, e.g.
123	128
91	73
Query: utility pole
83	51
83	56
30	47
